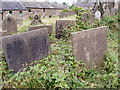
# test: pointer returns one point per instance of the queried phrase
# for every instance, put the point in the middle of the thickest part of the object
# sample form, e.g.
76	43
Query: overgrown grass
59	70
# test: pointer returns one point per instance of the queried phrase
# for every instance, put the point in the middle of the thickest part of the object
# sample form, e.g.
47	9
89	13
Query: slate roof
83	4
45	5
12	6
7	6
31	4
57	5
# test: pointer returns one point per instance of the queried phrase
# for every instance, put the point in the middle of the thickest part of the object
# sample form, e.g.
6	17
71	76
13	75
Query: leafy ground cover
60	69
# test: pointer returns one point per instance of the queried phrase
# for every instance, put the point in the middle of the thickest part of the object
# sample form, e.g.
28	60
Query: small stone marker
49	27
36	20
90	46
9	25
25	48
61	24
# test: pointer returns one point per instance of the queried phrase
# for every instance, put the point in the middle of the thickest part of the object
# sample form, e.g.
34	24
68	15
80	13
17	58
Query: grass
27	23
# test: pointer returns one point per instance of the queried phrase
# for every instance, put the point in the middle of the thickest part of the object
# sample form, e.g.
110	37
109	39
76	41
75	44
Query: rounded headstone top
36	17
97	15
9	18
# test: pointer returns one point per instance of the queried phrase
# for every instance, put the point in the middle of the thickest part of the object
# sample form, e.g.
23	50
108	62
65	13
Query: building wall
26	14
0	21
16	14
45	13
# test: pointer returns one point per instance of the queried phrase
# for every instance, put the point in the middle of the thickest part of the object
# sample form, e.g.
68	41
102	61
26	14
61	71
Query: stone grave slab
25	48
9	24
61	24
90	46
3	33
34	27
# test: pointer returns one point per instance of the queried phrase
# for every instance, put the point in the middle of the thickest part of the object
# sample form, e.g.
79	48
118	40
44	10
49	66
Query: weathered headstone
36	20
85	17
19	21
61	24
9	24
88	17
66	14
107	10
25	48
49	27
90	46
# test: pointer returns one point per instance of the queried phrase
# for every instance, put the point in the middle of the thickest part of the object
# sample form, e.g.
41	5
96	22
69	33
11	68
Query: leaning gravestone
36	20
90	46
9	25
49	27
62	24
25	48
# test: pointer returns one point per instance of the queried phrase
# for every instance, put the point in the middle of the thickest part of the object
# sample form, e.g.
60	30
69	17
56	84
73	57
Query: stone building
22	10
16	9
44	9
85	5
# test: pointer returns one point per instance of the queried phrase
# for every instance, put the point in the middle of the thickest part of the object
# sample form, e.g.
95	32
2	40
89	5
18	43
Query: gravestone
66	14
61	24
88	17
98	15
19	21
36	20
90	46
25	48
107	10
49	27
9	25
85	17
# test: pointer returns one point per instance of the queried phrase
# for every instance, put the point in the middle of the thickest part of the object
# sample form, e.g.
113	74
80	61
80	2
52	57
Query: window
10	12
29	10
20	13
43	10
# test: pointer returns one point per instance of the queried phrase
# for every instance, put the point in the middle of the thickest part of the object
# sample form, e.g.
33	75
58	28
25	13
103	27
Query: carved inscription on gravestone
62	24
49	27
26	47
9	25
90	46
